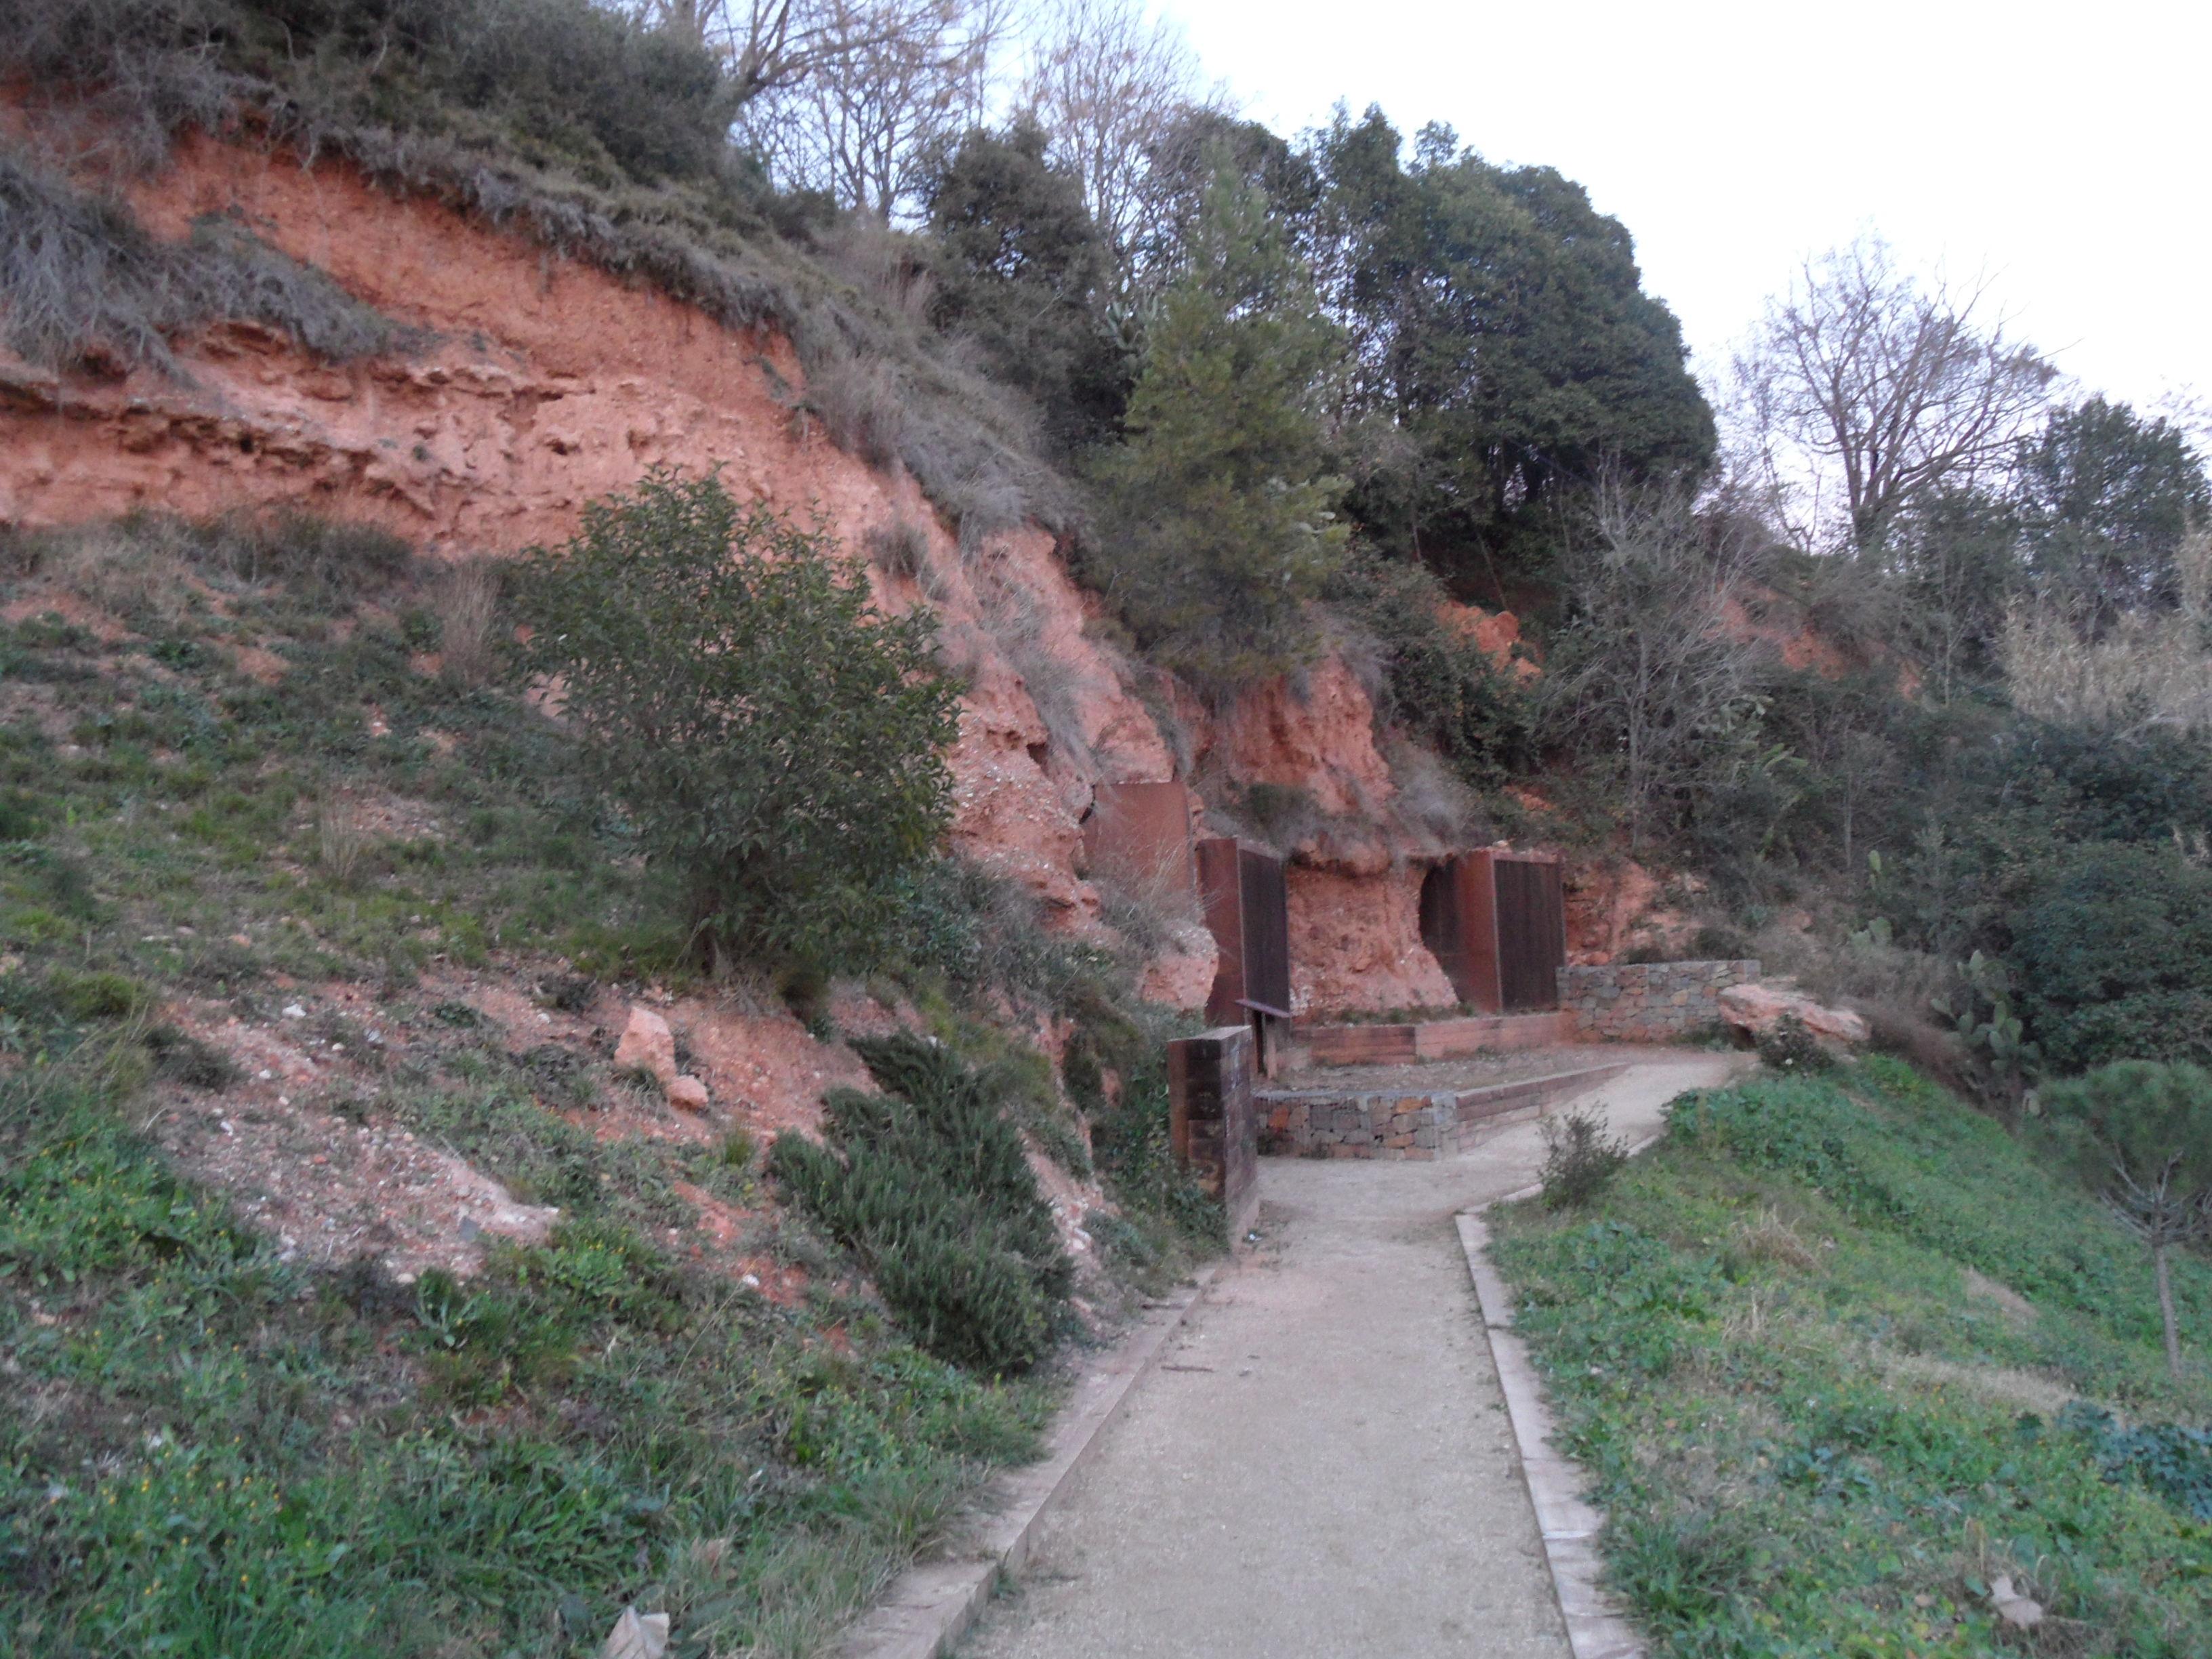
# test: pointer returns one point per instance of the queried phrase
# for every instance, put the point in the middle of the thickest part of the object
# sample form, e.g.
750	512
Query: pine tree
1221	520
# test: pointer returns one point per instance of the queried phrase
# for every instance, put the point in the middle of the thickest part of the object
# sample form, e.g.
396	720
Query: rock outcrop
1759	1010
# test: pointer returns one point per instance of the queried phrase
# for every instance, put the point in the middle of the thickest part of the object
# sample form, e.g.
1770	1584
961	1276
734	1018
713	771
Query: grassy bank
205	1451
274	781
1816	1351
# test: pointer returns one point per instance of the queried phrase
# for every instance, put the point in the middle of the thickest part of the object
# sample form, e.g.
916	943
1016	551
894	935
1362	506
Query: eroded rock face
1356	943
544	383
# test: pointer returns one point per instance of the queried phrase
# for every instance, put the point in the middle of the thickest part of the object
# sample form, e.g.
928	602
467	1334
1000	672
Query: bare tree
1865	383
1106	81
1650	672
770	45
887	84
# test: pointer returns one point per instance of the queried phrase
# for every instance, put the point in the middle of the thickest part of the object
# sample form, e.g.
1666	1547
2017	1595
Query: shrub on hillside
929	1182
776	738
1580	1159
2139	1134
2111	950
1436	682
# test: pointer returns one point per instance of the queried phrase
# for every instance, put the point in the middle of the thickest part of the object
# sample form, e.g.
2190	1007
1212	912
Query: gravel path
1319	1465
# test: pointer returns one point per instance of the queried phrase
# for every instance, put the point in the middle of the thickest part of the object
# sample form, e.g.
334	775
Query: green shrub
1788	1046
775	739
2111	950
930	1184
1437	683
1580	1159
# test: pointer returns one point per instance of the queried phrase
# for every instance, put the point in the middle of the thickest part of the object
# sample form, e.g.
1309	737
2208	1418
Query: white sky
2065	152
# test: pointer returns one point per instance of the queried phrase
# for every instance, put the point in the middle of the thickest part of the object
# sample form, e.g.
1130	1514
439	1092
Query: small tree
775	739
1221	521
2140	1131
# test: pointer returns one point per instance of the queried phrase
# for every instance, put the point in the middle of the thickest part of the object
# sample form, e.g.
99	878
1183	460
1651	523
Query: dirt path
1319	1465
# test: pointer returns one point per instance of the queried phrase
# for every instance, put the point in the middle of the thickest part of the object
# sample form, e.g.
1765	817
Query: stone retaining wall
1401	1125
1650	1001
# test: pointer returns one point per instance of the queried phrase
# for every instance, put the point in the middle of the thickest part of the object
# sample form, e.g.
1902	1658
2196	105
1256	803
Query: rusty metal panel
1221	894
1138	835
1532	933
1212	1122
1266	953
1459	925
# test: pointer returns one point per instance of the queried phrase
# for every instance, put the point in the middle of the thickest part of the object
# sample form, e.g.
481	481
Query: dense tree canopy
1221	520
1023	270
2105	498
1503	346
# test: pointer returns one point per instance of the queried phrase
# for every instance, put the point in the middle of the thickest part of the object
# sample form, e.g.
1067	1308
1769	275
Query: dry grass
1766	1237
145	579
341	836
82	284
468	606
1018	623
899	548
2150	668
1152	901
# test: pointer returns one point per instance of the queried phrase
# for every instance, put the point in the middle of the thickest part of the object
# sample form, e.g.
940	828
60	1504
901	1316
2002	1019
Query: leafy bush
1580	1159
930	1184
1436	682
776	740
2174	1460
2112	946
1787	1046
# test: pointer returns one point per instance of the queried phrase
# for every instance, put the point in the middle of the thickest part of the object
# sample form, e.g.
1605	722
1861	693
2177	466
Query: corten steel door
1266	932
1532	934
1248	913
1496	923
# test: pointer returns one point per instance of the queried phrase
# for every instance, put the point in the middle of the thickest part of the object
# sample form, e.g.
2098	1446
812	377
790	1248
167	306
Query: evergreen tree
1023	270
2106	498
1504	351
1221	521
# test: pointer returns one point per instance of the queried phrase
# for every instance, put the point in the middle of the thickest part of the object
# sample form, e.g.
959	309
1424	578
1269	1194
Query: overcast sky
2064	151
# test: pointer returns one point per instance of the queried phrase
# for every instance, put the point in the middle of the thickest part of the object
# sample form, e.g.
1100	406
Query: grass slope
210	1446
1813	1433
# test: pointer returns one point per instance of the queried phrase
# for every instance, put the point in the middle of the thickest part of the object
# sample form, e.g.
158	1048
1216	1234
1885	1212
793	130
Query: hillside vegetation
278	797
1834	1379
332	877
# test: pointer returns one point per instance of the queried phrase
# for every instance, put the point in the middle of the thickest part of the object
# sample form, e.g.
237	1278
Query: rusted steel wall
1497	922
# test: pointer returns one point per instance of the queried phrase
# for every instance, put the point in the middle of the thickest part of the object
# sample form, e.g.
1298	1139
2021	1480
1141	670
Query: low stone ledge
1649	1001
1405	1125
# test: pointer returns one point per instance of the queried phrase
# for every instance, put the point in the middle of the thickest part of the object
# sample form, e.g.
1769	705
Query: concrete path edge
933	1605
1596	1629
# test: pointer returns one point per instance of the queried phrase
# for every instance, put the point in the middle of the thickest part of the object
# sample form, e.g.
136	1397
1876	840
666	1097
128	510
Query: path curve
1320	1463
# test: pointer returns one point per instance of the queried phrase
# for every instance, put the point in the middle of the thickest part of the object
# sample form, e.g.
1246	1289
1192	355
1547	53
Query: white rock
637	1636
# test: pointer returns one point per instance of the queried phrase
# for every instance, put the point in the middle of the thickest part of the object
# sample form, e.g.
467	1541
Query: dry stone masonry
1651	1001
1400	1125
